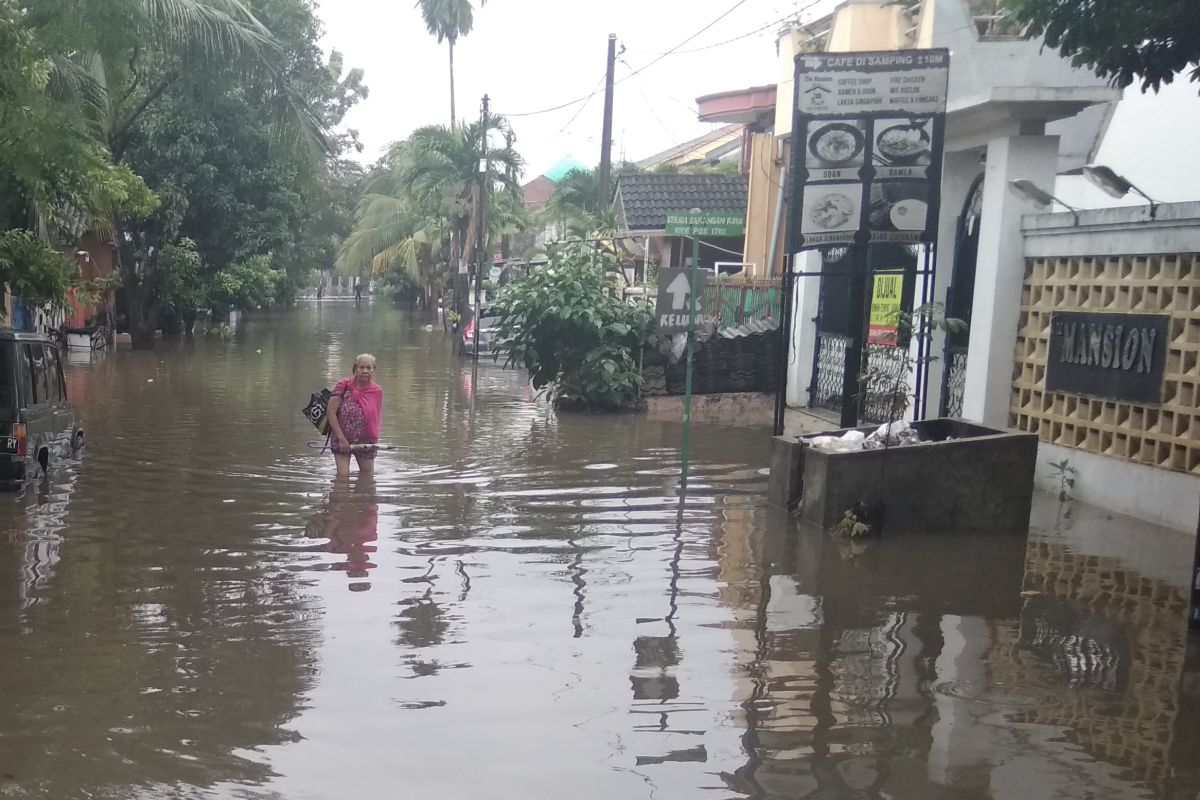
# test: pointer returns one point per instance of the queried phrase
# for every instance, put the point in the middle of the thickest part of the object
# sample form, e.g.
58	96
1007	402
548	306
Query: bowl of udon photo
903	144
836	144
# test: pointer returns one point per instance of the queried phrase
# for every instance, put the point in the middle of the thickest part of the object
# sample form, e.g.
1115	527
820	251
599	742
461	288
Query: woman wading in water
354	415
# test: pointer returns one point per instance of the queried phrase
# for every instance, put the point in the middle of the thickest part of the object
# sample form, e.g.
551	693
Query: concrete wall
868	25
1123	482
979	67
760	209
1170	499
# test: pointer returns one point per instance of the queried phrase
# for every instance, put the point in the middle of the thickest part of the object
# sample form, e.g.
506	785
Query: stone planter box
964	478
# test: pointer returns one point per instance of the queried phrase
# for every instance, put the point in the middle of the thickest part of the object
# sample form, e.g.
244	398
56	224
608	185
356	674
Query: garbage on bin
848	442
895	434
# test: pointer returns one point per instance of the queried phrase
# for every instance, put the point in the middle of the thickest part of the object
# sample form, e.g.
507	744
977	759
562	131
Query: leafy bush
579	341
187	284
246	285
32	269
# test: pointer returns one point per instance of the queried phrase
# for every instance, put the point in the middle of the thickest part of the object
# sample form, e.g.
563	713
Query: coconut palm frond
381	223
405	254
214	27
297	124
79	84
447	19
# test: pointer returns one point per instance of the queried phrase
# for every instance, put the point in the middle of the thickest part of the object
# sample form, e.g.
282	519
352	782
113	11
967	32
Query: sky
530	55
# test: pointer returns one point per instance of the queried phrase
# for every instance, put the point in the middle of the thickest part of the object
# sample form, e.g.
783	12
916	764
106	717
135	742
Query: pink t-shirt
370	400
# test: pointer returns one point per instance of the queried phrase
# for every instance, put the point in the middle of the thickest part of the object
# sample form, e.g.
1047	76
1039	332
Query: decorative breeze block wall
1166	435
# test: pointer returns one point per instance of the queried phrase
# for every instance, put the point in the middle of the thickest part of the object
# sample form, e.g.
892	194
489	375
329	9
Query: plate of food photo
903	144
836	144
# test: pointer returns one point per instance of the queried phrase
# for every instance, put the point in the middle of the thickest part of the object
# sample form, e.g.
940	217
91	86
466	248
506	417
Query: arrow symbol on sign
679	289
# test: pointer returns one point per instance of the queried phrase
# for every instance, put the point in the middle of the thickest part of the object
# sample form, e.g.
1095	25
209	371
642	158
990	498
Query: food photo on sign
836	150
831	212
898	211
903	142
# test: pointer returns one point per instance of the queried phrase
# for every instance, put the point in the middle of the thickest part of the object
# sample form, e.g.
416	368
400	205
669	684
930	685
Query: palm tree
421	211
574	201
448	20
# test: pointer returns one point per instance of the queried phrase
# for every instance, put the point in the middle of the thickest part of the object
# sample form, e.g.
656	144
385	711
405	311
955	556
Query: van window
57	371
9	375
25	365
45	383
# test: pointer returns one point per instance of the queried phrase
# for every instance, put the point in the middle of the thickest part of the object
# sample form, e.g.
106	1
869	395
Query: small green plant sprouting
1066	474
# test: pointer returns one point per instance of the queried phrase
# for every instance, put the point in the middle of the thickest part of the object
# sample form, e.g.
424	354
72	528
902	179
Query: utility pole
606	140
481	238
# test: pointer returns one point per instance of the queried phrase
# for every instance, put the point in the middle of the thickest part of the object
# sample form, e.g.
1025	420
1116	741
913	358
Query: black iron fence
887	391
954	381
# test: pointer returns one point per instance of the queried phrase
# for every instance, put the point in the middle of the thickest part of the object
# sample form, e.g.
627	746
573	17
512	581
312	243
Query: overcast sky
533	54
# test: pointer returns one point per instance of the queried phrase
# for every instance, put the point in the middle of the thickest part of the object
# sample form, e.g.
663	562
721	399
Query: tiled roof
711	145
647	199
536	193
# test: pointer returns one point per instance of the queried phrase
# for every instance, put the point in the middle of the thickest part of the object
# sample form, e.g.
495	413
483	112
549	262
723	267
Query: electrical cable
715	45
561	106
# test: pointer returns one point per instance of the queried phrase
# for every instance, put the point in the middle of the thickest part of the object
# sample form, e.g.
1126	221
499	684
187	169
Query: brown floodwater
514	609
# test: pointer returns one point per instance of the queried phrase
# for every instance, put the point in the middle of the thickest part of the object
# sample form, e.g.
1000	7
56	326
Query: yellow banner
885	308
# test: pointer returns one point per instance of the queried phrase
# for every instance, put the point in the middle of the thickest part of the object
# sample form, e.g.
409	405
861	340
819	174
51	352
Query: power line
561	106
729	11
568	104
719	44
649	105
582	108
792	16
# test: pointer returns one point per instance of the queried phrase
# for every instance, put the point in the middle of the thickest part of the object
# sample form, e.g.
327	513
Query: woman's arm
335	403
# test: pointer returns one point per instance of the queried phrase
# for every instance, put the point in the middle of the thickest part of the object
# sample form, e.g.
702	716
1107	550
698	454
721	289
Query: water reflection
175	617
349	522
957	667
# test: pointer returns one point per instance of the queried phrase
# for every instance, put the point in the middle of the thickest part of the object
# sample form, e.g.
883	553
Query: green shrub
577	338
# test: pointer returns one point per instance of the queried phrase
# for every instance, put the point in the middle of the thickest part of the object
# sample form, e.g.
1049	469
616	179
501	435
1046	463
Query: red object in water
19	433
469	331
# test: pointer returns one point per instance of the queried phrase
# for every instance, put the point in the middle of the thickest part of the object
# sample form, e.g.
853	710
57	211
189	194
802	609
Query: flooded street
511	610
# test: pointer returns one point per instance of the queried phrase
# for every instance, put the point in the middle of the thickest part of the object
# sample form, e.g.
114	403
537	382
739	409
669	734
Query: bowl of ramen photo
836	144
903	144
832	211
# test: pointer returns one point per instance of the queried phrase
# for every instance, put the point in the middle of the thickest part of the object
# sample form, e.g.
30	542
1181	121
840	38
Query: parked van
37	423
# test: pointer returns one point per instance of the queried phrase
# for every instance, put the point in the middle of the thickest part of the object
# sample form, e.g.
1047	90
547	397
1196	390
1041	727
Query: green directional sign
701	225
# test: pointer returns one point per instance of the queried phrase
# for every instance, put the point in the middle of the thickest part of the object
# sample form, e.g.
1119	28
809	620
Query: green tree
32	269
1123	41
138	54
448	20
579	341
56	179
576	195
420	207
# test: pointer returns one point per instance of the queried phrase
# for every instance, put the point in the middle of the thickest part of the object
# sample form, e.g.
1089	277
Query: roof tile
647	199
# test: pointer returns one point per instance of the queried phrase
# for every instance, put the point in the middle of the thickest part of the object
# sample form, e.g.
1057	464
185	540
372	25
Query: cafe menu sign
1112	356
867	147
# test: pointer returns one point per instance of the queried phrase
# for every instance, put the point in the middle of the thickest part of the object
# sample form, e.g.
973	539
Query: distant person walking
355	411
358	290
